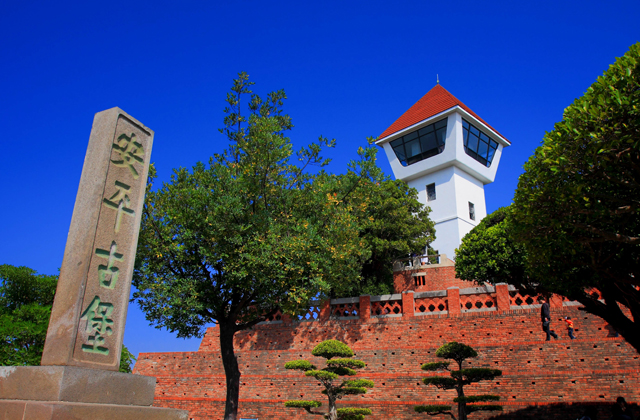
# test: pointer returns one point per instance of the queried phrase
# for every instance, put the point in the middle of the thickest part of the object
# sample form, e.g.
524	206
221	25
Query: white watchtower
444	150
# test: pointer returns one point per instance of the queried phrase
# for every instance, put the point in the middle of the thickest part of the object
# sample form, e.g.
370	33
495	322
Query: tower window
431	192
472	211
421	144
478	145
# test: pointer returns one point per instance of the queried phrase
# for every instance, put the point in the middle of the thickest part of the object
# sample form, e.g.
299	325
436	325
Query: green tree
253	232
127	359
339	363
460	378
25	307
489	254
393	224
26	299
577	203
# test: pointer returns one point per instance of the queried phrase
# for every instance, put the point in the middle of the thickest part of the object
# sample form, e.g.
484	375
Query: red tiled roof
437	100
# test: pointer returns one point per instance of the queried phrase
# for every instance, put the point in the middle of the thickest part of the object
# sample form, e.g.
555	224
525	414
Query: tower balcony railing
417	261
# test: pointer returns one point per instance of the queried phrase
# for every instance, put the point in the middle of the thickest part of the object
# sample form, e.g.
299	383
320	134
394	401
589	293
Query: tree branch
313	412
247	325
610	236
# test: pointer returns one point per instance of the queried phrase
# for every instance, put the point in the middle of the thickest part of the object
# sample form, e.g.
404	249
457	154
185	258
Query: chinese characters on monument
97	313
95	278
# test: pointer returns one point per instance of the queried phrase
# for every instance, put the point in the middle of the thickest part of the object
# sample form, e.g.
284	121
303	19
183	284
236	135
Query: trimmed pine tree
459	379
339	363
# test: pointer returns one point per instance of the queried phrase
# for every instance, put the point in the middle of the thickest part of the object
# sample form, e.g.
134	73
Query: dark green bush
303	404
477	398
350	363
435	366
299	365
431	408
351	413
332	348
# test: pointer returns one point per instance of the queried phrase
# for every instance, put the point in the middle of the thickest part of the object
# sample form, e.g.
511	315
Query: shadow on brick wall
556	411
298	335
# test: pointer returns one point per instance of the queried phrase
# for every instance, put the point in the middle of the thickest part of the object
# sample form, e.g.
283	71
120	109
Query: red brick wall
435	278
595	368
201	409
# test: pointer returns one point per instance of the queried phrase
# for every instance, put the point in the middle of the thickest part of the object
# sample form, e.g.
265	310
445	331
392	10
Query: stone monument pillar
79	376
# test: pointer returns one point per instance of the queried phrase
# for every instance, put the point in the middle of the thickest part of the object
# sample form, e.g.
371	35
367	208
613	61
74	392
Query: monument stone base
74	393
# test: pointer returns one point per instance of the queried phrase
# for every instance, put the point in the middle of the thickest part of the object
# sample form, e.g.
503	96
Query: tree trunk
333	412
462	406
232	373
610	312
462	411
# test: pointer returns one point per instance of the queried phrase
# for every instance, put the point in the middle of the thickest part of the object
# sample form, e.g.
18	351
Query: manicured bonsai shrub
339	363
460	378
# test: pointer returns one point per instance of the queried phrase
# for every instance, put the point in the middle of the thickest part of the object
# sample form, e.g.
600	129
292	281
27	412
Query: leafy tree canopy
26	299
577	204
127	359
489	254
25	307
392	223
252	231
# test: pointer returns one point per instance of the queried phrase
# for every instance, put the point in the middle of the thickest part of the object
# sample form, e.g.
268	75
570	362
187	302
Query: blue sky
349	70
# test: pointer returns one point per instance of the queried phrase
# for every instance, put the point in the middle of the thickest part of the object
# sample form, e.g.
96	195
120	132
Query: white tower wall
455	189
459	179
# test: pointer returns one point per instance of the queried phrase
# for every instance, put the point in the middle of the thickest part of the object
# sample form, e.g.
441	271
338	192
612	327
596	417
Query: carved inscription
108	274
130	152
120	202
99	325
106	296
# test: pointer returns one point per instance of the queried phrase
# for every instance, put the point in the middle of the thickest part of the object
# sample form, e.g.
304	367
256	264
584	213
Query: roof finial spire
437	79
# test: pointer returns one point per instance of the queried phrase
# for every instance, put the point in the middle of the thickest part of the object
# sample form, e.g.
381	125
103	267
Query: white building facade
448	154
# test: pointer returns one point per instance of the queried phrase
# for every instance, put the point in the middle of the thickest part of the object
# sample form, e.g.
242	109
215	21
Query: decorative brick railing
454	300
522	301
274	318
313	314
430	303
386	306
478	303
345	308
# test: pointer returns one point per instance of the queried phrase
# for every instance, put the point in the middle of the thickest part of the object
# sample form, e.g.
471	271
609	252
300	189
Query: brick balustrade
439	302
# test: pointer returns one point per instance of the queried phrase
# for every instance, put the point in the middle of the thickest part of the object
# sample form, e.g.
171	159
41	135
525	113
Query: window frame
473	142
434	192
421	137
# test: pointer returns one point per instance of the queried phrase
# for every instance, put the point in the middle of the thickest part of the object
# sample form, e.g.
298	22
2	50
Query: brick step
211	409
498	327
563	386
557	354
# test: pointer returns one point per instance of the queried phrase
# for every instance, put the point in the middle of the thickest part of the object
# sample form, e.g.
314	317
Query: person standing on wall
545	317
569	322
